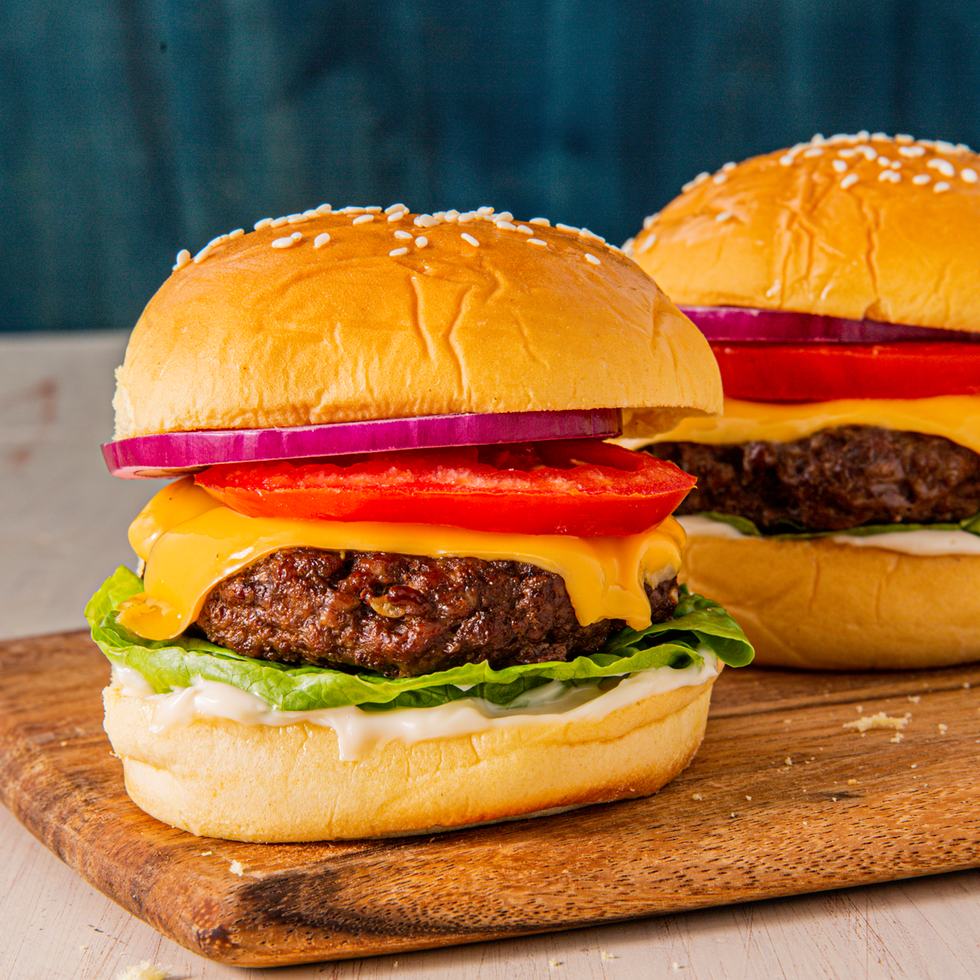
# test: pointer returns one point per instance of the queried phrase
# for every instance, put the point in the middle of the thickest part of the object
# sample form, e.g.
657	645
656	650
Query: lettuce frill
698	625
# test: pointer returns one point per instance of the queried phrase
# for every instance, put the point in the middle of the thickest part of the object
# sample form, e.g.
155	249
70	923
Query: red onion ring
173	453
734	323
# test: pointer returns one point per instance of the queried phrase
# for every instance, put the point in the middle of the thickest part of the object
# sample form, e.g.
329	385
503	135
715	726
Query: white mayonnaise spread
918	542
358	731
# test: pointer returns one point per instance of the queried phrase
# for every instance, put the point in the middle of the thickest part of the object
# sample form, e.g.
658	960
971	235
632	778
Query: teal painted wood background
132	129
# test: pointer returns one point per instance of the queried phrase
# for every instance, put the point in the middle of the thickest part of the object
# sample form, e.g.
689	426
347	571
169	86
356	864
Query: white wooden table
63	523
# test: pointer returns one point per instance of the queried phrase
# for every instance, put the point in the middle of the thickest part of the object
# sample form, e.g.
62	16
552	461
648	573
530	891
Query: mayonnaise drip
358	731
918	542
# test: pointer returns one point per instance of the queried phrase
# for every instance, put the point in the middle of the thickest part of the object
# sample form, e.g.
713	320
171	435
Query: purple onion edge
173	453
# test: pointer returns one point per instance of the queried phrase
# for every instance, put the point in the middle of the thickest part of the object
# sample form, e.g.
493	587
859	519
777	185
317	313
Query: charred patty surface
402	615
836	479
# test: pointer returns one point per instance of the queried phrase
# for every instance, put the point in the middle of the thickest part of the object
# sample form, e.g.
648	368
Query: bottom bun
823	605
267	784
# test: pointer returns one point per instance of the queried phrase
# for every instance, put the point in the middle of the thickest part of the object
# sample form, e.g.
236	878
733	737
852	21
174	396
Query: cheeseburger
836	513
400	583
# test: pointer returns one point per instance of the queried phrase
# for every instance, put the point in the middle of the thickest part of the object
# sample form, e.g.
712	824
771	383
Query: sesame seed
896	165
485	210
397	215
536	241
183	258
921	179
944	147
817	138
525	229
562	227
392	208
884	162
466	236
403	234
324	209
719	178
425	221
699	179
466	217
220	240
237	233
628	246
904	138
590	258
262	223
278	222
203	254
648	244
723	215
879	136
398	251
544	222
284	242
649	220
295	219
351	209
451	216
891	175
840	166
421	241
362	219
585	233
847	153
870	153
504	216
506	225
912	151
728	166
786	160
849	181
863	135
321	239
943	166
969	175
311	213
940	186
373	209
815	151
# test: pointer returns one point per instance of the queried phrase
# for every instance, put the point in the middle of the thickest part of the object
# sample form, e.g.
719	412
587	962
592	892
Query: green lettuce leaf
699	625
789	529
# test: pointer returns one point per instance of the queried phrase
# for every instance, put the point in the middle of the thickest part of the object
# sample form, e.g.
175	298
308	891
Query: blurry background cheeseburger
836	512
401	583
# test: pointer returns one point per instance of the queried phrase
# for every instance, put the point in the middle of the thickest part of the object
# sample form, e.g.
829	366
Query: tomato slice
822	372
573	486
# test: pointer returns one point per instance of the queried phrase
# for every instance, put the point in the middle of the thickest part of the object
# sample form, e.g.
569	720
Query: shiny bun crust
823	605
360	314
269	784
851	226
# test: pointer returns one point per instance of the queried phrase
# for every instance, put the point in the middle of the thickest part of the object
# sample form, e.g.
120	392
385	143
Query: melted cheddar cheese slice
957	417
189	543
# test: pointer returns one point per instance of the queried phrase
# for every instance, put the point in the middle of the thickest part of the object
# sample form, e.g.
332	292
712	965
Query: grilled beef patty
833	480
402	615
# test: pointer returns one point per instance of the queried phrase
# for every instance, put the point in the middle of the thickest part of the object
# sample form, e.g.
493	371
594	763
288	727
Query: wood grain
782	799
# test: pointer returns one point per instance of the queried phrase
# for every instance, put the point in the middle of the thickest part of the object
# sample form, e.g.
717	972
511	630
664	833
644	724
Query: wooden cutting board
783	798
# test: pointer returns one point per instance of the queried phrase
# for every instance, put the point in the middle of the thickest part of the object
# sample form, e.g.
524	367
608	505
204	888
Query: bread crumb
236	868
915	765
859	708
145	971
852	782
880	720
697	796
915	698
749	798
789	761
607	956
943	728
205	854
897	737
555	963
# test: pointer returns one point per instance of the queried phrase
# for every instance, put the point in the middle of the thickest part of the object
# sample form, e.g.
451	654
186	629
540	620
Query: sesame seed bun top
860	227
331	316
